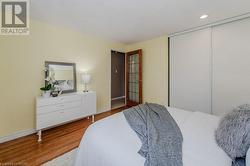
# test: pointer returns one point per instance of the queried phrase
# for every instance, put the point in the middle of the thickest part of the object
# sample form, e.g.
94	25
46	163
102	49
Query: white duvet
111	142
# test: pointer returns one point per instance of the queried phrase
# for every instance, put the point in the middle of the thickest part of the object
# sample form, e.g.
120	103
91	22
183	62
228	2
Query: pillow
233	133
248	158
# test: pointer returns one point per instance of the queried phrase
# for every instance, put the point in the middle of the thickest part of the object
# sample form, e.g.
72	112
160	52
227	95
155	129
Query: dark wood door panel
134	77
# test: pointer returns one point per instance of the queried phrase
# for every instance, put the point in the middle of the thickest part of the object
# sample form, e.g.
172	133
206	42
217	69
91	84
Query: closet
190	62
210	68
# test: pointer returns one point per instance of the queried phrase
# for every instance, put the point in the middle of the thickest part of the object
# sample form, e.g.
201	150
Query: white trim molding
17	135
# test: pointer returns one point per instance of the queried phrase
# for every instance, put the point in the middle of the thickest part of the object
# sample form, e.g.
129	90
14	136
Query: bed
111	142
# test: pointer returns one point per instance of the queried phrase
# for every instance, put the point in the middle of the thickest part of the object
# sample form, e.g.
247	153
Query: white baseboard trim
17	135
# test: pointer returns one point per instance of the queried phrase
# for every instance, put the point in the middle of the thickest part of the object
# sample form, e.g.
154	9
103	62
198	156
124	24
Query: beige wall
22	63
155	65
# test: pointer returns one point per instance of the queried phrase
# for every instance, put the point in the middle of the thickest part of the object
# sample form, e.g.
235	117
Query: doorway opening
118	79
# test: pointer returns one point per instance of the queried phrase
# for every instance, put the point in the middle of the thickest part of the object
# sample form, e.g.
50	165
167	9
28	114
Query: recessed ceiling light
203	16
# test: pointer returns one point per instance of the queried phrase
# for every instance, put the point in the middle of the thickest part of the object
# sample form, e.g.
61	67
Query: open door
134	77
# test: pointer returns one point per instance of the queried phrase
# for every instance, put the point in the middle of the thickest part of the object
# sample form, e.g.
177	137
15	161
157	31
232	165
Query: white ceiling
129	21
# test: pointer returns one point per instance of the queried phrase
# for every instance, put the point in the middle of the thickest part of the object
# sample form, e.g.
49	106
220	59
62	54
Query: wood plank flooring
26	151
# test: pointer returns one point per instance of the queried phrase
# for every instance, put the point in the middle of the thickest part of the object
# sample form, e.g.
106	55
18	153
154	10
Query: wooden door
134	77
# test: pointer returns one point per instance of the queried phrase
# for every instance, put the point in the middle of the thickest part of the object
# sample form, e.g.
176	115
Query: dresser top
68	94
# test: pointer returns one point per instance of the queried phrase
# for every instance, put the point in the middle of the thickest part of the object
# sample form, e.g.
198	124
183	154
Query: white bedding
111	142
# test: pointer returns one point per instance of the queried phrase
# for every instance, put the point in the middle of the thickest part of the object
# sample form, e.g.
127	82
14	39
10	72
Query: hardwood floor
27	151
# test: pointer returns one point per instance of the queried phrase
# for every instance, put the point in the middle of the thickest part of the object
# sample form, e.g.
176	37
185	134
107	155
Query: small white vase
46	94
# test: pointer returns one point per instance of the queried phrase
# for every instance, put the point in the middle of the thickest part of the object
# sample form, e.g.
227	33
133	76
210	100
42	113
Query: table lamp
85	80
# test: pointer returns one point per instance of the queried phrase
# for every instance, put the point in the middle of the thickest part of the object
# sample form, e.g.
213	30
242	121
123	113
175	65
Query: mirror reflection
63	76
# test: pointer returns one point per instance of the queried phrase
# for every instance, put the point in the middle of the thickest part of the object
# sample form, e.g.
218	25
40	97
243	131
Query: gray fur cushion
248	158
233	133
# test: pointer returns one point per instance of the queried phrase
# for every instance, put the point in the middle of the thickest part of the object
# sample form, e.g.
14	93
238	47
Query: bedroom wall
22	63
155	67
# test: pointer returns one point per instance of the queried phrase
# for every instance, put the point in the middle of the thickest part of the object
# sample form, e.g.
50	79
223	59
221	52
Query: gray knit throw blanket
160	135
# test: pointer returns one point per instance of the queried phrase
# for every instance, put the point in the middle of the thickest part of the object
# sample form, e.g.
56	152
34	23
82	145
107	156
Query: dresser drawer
68	107
57	100
57	117
56	107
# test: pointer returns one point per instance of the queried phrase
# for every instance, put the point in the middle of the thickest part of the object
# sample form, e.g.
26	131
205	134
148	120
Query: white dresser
54	111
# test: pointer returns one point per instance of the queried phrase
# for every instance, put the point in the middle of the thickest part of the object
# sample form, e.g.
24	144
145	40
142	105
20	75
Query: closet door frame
213	26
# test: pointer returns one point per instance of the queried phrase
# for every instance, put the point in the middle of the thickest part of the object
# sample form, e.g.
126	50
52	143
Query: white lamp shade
86	78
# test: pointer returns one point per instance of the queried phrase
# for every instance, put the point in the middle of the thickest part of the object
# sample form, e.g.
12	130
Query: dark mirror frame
47	63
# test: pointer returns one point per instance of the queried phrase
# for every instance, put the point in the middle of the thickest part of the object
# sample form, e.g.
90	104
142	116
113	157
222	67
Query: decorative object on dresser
46	90
85	80
51	111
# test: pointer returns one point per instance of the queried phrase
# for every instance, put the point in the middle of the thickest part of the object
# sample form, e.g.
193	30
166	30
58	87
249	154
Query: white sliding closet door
190	71
231	65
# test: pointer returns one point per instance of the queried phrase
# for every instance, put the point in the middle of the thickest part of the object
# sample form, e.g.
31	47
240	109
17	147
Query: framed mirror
63	75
